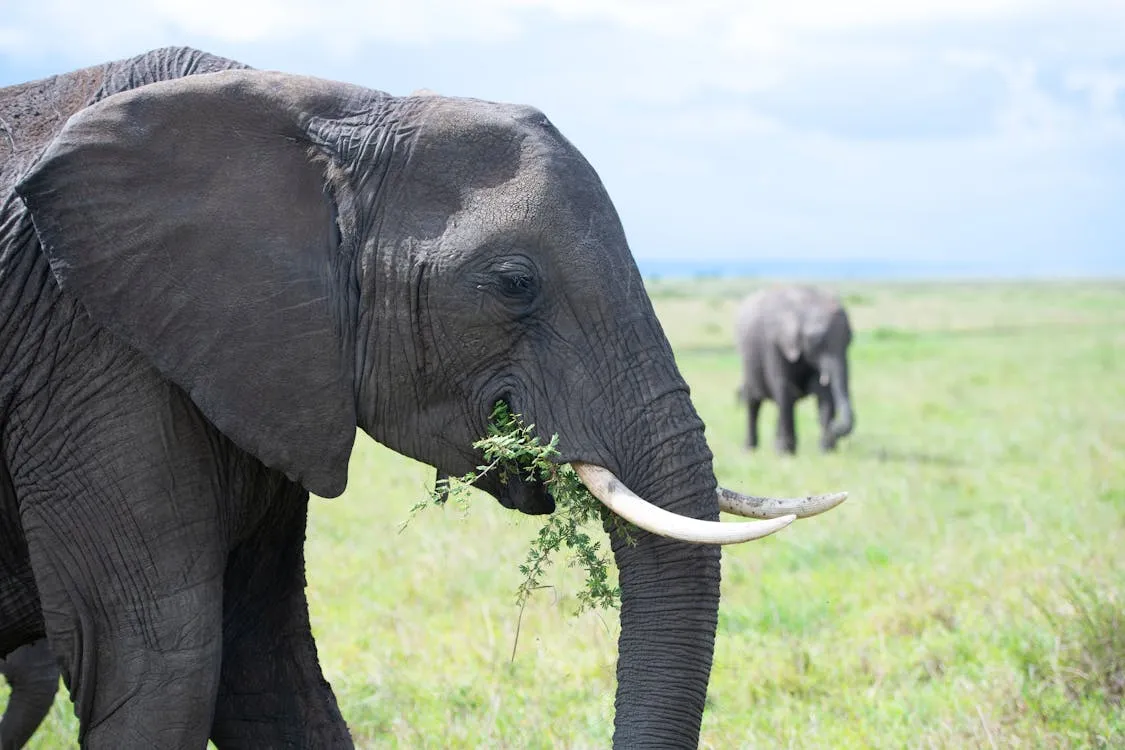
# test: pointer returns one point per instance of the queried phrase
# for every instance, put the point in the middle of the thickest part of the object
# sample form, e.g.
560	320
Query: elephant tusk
621	500
752	506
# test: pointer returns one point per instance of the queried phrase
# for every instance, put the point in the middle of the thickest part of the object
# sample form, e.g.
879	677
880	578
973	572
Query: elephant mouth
514	492
531	498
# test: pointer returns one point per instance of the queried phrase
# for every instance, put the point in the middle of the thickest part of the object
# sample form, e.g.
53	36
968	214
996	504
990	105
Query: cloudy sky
976	134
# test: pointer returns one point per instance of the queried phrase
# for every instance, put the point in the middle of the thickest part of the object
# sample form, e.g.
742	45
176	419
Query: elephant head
815	328
303	256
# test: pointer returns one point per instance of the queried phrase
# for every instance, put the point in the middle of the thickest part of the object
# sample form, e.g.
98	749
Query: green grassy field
971	593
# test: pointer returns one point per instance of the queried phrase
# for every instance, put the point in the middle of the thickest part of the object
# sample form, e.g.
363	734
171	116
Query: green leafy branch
511	449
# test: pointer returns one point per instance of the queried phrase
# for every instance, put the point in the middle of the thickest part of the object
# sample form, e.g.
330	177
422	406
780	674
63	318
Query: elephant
793	340
210	276
33	676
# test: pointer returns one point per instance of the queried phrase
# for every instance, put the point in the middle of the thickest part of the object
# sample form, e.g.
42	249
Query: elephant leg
786	426
21	620
127	537
33	675
138	636
272	692
826	411
753	407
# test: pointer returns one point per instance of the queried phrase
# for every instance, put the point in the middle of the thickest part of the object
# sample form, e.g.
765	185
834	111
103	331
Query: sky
984	136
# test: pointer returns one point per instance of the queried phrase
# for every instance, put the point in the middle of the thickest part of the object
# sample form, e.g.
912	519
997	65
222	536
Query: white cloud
737	19
1104	88
349	22
760	27
1030	112
85	29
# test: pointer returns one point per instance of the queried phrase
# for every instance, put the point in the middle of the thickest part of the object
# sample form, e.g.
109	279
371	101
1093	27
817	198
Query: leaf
512	449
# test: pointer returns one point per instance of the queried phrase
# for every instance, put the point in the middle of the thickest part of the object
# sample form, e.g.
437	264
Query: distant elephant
209	276
793	341
33	677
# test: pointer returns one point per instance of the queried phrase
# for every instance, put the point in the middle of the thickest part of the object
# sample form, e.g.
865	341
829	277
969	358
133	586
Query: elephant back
33	113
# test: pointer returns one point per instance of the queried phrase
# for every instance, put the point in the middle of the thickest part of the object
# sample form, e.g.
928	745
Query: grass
971	593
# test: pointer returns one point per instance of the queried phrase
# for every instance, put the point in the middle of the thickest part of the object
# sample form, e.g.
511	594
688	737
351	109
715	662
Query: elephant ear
189	218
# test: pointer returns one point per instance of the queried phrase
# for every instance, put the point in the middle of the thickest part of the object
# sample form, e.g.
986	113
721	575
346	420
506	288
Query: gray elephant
33	678
793	341
209	276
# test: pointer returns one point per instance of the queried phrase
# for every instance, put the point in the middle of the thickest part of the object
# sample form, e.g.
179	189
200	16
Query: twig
519	619
984	725
516	640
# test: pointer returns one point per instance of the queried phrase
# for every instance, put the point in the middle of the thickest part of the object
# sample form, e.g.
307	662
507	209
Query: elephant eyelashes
519	288
518	285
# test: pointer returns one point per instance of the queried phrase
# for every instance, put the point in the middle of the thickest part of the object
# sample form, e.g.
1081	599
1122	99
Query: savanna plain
970	593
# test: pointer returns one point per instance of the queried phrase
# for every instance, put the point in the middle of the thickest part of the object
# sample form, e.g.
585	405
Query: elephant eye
518	286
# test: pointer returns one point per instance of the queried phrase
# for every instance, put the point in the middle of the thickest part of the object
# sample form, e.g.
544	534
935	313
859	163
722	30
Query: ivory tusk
621	500
752	506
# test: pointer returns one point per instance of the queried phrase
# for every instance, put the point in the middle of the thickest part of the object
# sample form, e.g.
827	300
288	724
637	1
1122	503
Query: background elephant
209	276
794	341
33	676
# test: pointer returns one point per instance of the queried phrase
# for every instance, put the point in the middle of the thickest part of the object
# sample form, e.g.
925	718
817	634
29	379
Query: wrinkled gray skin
33	678
793	341
207	283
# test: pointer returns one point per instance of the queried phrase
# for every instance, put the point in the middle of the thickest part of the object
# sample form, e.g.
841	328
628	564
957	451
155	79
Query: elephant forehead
485	171
527	206
539	210
482	145
468	143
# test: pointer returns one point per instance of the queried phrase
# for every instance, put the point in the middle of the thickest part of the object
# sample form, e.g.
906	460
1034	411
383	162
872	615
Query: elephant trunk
845	418
669	597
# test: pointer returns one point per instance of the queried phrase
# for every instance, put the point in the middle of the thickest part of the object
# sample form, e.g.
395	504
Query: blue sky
979	134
